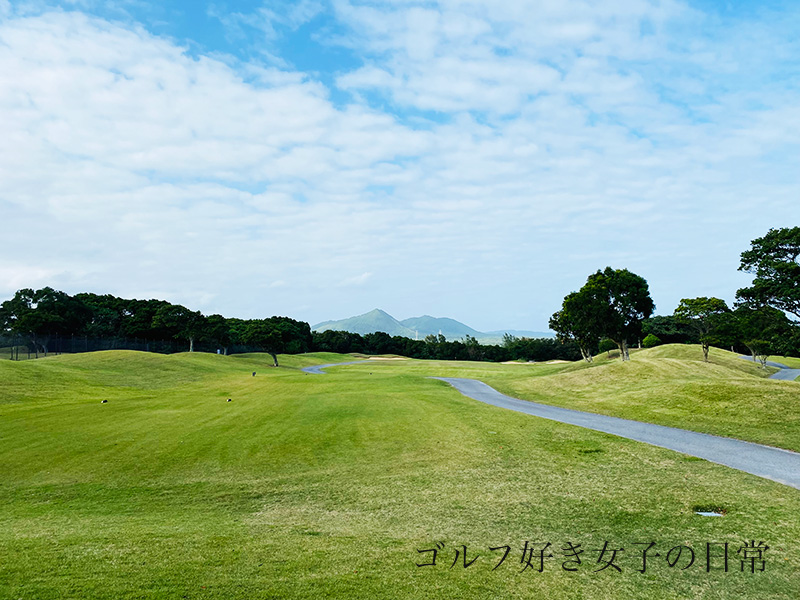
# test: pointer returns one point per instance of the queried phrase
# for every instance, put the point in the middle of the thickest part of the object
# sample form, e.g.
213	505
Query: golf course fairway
338	486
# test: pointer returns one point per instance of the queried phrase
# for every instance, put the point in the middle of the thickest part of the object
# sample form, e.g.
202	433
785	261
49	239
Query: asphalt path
317	369
776	464
786	373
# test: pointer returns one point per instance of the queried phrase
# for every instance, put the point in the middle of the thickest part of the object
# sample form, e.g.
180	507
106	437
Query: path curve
776	464
317	369
786	373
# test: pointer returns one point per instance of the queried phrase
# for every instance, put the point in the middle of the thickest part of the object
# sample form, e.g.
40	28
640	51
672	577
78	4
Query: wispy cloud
356	281
487	157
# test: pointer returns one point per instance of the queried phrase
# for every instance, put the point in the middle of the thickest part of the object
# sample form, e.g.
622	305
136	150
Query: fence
22	348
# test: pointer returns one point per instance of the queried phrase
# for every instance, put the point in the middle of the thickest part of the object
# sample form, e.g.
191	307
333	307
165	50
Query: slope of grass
328	486
669	385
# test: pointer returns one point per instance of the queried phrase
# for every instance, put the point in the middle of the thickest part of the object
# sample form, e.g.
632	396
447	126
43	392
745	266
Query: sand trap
533	362
387	358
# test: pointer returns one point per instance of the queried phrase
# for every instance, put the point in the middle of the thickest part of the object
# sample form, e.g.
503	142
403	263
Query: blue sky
459	158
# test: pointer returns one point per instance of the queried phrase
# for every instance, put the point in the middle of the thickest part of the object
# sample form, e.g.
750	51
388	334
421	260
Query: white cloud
17	275
561	145
356	281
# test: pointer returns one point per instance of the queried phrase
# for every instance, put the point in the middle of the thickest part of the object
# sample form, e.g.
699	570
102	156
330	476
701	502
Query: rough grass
327	486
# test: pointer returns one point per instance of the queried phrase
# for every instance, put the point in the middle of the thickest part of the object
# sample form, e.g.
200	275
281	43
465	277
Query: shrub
651	341
607	345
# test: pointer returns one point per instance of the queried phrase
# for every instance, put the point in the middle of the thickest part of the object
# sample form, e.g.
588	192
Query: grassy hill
328	486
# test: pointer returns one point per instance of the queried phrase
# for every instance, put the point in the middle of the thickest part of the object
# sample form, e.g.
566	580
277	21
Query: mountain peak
374	320
417	327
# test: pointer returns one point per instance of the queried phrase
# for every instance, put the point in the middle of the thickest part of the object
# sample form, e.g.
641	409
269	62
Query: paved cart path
786	373
765	461
779	465
317	369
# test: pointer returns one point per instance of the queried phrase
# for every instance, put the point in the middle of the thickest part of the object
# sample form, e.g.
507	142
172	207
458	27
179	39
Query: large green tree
219	331
579	321
137	319
764	330
707	316
179	322
774	260
627	301
264	335
40	314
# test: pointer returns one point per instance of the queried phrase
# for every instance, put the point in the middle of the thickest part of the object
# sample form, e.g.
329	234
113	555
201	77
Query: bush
651	341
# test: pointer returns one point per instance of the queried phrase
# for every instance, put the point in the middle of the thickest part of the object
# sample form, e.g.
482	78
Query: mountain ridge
419	327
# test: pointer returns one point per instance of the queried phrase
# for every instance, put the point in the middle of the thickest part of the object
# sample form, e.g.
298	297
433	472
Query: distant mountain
420	327
374	320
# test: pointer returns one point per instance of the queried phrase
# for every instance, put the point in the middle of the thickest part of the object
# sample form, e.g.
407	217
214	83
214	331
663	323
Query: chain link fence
17	347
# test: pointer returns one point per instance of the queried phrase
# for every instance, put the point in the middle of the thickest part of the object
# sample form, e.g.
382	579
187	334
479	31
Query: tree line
47	318
614	308
39	316
437	347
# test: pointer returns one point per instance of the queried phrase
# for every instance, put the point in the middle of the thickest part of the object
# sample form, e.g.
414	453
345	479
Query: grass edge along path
777	464
772	463
669	385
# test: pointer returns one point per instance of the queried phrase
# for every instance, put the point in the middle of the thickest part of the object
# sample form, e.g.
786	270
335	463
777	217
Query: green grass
789	361
326	486
5	353
668	385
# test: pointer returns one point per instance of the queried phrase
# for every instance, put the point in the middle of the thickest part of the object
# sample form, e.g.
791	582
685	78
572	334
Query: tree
295	335
629	303
342	342
579	321
763	329
473	348
378	342
179	322
39	314
669	330
137	319
612	303
774	261
509	341
264	335
706	316
218	330
277	335
106	314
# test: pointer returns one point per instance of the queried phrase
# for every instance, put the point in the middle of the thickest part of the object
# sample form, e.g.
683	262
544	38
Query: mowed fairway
311	486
